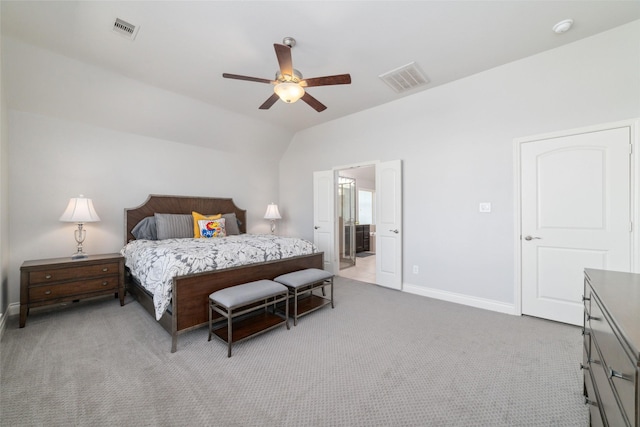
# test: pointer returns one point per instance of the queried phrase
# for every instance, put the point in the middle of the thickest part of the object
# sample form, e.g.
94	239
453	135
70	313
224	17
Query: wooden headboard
156	203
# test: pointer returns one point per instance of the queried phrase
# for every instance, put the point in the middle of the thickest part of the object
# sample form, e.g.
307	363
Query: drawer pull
105	283
585	298
47	292
47	276
105	269
590	317
613	373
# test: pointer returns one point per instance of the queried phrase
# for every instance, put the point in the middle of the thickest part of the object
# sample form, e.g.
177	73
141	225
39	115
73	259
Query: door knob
394	231
531	238
316	227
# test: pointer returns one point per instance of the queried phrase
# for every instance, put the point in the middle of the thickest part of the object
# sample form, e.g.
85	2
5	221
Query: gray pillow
170	226
231	224
145	229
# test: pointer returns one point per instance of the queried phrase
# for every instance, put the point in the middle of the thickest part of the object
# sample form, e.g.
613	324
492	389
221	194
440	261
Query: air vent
405	78
125	29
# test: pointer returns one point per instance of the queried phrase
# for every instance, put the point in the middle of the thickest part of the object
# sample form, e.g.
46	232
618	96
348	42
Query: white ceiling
185	46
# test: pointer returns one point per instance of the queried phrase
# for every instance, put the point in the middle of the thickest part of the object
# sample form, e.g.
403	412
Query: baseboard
477	302
11	310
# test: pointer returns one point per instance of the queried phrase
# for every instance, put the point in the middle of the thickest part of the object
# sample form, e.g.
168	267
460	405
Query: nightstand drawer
70	289
56	280
60	274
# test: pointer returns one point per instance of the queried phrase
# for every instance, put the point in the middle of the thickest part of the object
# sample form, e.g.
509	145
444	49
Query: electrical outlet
415	269
484	207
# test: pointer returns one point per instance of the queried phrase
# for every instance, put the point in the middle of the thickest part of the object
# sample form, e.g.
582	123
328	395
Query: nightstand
52	281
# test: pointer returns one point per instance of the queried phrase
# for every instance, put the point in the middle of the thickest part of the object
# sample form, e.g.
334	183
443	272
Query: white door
575	214
389	224
323	217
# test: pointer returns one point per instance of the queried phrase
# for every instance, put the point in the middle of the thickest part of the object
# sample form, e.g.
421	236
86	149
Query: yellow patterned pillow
197	217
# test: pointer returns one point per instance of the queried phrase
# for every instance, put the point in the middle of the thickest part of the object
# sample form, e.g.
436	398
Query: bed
189	293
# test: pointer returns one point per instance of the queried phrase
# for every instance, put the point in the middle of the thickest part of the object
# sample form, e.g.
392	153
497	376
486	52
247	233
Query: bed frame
190	294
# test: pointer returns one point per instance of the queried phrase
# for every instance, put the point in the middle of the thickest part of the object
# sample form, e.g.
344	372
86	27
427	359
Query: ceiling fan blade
247	78
269	102
314	103
340	79
284	59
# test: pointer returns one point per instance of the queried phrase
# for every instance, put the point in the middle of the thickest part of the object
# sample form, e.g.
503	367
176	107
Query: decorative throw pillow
170	226
197	217
145	229
211	228
231	224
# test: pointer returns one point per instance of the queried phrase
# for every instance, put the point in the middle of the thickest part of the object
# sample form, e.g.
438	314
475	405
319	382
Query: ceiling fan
289	84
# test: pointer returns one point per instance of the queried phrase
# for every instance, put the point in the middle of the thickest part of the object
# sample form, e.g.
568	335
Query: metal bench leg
210	316
295	307
286	310
229	331
331	292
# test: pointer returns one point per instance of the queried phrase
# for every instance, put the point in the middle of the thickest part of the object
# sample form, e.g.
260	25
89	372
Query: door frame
634	126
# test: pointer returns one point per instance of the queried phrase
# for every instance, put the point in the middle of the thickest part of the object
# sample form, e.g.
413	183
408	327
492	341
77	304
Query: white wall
43	82
456	145
73	129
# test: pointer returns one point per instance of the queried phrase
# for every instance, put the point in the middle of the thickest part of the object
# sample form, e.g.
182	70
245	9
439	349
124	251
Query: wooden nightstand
52	281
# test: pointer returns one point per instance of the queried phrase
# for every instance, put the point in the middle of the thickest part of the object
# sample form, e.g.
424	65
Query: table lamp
80	210
272	214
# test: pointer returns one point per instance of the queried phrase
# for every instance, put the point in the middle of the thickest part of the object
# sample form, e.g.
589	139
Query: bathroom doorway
356	223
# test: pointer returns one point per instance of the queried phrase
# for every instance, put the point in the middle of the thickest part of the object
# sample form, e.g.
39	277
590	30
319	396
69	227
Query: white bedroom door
575	214
389	224
323	217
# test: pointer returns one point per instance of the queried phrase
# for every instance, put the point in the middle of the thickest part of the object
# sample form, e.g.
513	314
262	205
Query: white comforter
156	262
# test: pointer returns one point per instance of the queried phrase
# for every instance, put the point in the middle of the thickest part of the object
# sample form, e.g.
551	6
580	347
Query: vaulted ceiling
185	46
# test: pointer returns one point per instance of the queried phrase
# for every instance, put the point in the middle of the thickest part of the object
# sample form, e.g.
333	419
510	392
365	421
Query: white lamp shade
80	210
288	91
272	212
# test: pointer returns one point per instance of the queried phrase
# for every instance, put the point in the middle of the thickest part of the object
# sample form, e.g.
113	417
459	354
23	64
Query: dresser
56	280
612	347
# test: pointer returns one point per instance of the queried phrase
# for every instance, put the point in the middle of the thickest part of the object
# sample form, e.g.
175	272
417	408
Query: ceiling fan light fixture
289	92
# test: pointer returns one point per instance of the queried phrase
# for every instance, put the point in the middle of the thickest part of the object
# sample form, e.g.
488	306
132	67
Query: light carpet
380	358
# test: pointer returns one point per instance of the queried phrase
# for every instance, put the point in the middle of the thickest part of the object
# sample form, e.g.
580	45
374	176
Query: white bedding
156	262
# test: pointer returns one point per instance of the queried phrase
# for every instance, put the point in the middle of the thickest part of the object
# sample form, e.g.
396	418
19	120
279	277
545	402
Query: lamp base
80	255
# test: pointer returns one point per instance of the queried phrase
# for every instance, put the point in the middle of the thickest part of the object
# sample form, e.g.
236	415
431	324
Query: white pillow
212	228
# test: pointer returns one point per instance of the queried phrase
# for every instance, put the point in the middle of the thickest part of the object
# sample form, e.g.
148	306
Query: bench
306	281
242	301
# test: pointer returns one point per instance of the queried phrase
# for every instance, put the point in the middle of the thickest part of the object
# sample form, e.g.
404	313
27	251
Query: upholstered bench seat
241	300
303	282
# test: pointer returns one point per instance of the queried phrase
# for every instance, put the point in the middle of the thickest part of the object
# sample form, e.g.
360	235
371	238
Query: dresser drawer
57	275
591	397
616	363
70	289
607	401
595	417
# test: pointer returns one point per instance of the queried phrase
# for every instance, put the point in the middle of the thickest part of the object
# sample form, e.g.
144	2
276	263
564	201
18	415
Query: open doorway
356	222
387	235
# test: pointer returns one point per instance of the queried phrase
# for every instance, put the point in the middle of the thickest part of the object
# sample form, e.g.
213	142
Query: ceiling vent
125	29
405	78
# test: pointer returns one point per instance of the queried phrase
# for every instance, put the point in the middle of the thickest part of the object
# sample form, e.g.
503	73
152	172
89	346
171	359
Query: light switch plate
485	207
